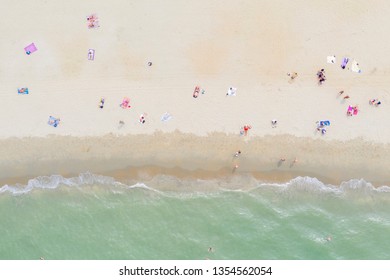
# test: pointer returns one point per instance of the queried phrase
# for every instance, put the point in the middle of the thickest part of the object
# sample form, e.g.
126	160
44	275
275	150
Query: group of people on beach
321	76
375	102
352	110
321	126
93	21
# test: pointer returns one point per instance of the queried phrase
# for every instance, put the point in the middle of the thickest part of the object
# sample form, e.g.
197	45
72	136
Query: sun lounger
125	103
91	54
22	90
196	92
344	62
53	121
30	49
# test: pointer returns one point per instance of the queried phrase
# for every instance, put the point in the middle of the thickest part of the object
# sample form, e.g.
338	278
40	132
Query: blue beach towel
324	123
23	90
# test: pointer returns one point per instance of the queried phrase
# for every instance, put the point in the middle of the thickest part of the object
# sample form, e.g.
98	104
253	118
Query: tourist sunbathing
349	110
378	103
274	123
142	118
101	105
196	92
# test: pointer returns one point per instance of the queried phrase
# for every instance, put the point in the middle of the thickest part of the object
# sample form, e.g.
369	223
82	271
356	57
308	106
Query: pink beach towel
30	48
125	103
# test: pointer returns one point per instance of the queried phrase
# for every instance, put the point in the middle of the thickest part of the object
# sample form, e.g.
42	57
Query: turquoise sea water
95	217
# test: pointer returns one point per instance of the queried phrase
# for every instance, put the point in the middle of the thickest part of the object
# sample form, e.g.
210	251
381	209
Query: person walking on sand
292	75
238	153
246	128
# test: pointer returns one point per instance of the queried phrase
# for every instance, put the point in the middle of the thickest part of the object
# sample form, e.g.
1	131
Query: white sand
250	45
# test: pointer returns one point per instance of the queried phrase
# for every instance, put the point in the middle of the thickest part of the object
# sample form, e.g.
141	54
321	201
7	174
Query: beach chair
53	121
196	92
30	49
344	62
22	90
125	103
91	54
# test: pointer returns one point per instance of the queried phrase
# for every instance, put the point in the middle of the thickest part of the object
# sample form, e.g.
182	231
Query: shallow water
95	217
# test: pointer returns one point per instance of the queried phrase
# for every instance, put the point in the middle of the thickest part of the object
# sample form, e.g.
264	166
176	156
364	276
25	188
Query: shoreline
134	157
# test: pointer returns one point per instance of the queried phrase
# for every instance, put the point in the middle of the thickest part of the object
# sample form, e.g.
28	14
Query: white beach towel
355	67
166	117
231	91
331	59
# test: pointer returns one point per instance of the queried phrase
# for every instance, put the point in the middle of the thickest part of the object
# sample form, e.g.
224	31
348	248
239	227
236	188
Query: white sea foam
197	187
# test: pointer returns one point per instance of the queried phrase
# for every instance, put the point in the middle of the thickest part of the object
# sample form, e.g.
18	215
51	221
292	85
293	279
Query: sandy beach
248	45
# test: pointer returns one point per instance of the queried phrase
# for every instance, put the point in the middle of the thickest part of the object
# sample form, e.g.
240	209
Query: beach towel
91	54
355	67
331	59
125	103
324	123
355	111
53	121
344	62
166	117
231	91
30	49
22	90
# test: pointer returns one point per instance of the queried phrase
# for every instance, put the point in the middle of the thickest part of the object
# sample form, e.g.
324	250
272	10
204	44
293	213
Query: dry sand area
250	45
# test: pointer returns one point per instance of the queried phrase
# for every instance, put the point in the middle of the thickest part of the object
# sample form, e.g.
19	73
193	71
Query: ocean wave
245	184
